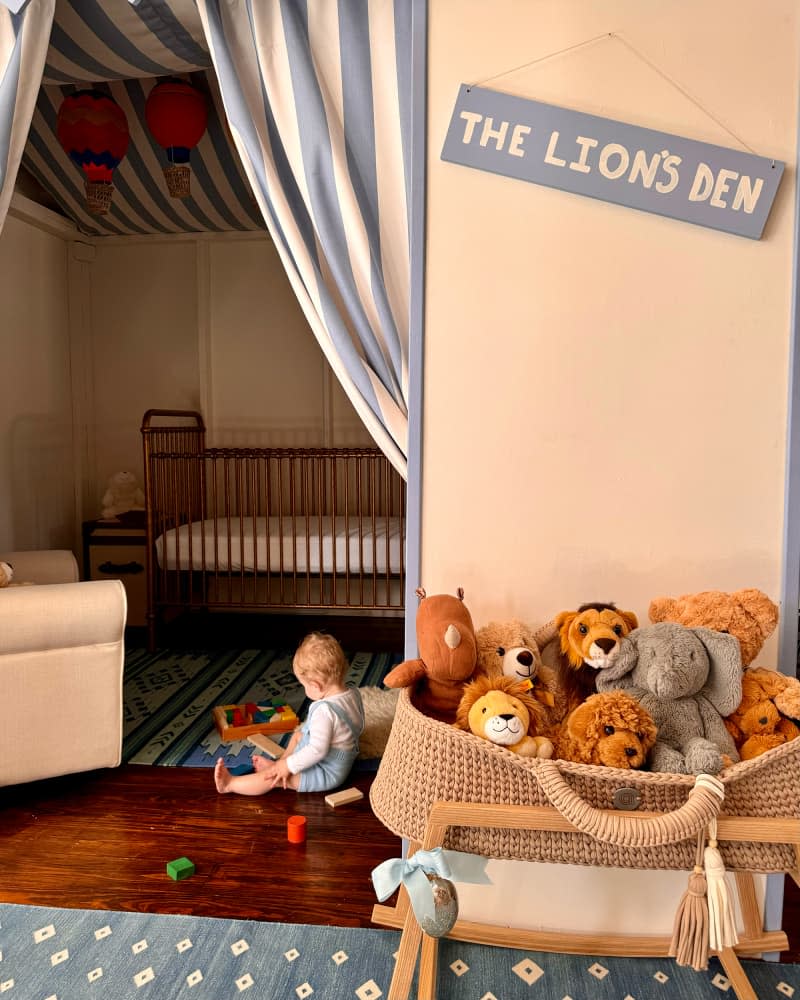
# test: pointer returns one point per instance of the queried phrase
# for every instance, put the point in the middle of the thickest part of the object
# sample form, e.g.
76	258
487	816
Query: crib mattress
334	545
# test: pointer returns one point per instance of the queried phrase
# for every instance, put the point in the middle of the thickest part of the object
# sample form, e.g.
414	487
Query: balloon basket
98	197
178	177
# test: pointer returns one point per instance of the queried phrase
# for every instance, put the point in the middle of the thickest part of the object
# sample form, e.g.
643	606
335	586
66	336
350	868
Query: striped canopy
308	138
124	49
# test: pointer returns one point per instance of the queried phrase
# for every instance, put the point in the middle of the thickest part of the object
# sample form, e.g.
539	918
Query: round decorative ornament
445	907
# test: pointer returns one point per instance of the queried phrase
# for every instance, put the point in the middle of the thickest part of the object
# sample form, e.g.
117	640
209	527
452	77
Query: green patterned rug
169	696
86	954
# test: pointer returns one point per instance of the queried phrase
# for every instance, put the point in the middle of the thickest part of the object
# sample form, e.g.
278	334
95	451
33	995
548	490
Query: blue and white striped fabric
317	98
23	46
122	49
220	198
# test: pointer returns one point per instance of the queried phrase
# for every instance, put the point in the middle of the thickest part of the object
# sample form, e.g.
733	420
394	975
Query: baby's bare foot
260	763
222	776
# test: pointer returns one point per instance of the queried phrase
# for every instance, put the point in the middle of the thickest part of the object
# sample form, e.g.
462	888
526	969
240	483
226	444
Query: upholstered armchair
61	663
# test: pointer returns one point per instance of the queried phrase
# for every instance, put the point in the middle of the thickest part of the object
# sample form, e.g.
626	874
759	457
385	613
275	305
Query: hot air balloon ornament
176	114
93	131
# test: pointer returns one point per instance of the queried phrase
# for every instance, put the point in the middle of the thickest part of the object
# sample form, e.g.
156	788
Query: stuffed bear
611	729
748	614
581	643
447	655
511	649
688	679
500	710
123	494
764	719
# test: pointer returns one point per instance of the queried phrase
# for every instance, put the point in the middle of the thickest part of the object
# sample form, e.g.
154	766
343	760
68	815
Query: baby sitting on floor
322	751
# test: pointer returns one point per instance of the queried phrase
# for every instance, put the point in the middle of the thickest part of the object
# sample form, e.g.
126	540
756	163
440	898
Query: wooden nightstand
115	550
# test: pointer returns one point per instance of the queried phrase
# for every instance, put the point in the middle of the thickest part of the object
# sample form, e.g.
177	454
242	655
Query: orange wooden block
285	723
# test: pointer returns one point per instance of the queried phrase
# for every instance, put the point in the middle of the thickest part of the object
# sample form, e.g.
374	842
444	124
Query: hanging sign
625	164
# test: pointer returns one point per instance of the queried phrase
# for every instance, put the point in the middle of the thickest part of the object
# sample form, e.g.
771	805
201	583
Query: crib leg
736	974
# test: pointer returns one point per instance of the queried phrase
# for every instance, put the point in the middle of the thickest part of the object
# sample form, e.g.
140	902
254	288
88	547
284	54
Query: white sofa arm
46	566
62	655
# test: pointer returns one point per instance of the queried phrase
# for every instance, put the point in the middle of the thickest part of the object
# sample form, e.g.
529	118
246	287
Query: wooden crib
268	529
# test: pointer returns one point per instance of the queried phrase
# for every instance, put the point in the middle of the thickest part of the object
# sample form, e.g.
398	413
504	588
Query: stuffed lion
500	710
584	642
610	728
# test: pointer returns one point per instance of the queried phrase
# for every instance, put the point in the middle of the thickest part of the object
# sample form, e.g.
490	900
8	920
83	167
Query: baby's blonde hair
320	658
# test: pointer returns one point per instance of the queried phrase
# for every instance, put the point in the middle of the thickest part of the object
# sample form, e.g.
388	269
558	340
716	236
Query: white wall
614	424
605	391
97	332
37	501
209	324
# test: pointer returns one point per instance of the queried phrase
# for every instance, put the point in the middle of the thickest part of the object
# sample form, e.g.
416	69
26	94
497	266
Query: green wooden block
180	868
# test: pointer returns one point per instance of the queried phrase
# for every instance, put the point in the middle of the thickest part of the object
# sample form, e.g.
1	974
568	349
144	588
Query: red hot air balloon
93	131
176	114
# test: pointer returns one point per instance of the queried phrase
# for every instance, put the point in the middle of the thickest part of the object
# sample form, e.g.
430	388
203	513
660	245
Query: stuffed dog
611	729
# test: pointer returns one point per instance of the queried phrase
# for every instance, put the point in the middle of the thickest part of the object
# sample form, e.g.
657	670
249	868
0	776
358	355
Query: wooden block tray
282	719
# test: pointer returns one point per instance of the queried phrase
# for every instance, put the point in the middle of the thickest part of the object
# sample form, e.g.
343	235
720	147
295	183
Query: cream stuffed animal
7	576
123	494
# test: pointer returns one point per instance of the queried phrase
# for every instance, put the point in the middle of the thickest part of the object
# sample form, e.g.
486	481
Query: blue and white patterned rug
56	954
169	697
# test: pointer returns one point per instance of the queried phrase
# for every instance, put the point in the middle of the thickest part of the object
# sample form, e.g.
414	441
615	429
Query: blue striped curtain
317	95
24	37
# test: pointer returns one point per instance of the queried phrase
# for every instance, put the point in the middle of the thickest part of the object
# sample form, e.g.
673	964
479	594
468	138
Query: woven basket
427	761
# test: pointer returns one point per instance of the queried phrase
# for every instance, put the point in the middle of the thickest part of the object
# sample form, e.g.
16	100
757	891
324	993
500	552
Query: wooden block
343	797
270	747
180	868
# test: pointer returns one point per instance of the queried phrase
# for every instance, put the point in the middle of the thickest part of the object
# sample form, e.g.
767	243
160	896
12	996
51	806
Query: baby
321	752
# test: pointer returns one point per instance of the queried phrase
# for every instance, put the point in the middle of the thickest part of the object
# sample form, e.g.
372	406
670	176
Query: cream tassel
721	919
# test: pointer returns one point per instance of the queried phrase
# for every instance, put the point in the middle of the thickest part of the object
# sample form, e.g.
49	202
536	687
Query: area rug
169	697
56	954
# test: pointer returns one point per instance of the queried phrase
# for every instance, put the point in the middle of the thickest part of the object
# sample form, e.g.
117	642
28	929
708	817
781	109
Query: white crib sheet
251	539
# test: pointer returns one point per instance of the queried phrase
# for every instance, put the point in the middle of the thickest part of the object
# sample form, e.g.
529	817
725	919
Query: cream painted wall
37	501
210	324
605	391
144	350
270	383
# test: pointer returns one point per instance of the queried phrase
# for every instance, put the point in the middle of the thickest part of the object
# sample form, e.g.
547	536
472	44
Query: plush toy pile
593	686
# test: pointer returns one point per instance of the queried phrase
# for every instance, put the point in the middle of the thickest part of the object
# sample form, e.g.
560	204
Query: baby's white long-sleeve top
327	730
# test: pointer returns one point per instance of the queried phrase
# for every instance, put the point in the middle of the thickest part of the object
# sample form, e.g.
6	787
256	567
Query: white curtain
24	38
317	95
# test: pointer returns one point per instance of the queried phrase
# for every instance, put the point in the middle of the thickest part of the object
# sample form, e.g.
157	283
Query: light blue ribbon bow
411	872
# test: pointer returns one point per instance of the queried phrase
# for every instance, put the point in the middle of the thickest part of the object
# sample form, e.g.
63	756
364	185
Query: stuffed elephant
688	679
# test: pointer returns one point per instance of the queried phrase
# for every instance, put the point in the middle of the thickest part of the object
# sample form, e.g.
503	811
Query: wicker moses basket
441	786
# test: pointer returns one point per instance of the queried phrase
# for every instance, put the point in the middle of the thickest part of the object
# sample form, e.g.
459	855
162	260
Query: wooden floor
102	840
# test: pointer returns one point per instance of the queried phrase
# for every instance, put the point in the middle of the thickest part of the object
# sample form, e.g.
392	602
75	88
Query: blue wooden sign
601	158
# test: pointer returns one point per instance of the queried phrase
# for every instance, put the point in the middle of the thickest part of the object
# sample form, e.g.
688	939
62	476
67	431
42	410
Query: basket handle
703	804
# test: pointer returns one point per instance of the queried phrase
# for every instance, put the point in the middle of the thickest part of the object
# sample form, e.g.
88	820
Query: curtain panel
317	96
24	38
